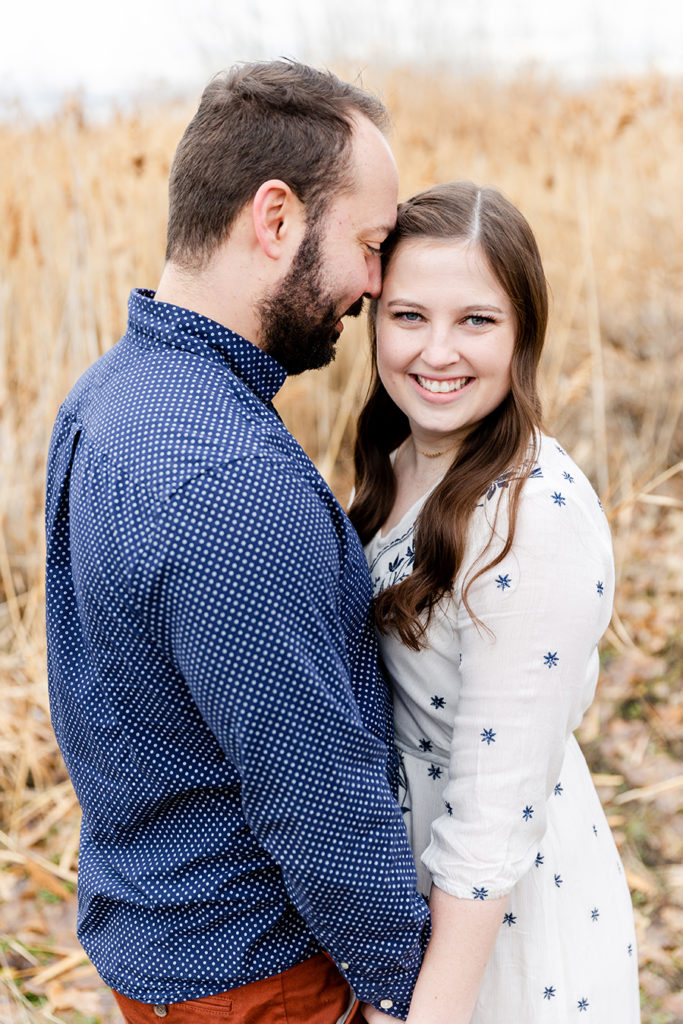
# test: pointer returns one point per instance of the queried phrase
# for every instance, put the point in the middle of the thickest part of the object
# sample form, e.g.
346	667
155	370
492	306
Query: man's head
261	121
337	261
285	178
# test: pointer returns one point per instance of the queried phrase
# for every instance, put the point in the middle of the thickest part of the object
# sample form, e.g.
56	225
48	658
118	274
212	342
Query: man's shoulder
148	409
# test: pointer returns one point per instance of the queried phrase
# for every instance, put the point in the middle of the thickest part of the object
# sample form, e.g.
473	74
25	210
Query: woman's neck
416	470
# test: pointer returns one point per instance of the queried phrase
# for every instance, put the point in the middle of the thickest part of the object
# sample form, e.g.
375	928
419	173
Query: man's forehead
370	213
384	229
370	146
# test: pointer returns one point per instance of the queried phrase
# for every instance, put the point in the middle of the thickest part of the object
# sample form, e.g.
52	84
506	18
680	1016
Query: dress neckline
383	536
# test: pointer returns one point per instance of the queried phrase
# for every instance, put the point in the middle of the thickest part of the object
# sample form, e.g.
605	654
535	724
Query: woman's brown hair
502	445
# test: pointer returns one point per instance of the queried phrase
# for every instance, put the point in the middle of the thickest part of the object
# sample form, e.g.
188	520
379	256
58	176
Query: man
212	667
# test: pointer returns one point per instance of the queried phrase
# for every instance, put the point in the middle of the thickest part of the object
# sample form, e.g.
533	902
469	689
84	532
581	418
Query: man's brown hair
276	119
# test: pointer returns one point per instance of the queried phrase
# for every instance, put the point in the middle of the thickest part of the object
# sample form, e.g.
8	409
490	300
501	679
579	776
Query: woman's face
446	332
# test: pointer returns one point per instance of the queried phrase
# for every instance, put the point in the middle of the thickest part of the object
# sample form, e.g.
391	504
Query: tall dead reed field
598	175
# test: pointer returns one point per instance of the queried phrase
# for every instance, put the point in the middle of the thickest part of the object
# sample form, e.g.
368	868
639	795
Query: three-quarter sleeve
528	669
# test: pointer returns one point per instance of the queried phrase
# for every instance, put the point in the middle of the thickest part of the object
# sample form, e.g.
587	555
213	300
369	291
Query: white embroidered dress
497	796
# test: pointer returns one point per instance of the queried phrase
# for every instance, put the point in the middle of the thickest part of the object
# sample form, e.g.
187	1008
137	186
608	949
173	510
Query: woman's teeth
442	386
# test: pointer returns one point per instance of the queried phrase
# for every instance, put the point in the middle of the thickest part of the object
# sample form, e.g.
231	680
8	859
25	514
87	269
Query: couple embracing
277	830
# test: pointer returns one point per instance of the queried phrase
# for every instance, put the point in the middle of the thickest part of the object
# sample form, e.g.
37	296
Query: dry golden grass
598	174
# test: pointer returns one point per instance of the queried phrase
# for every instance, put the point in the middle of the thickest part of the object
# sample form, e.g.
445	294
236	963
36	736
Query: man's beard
299	320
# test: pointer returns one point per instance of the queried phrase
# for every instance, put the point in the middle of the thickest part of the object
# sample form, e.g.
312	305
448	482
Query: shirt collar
185	329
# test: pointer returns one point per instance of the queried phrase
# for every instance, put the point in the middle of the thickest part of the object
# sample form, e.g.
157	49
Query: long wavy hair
502	445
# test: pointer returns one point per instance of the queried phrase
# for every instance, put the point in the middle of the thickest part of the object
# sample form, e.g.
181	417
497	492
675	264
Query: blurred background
576	113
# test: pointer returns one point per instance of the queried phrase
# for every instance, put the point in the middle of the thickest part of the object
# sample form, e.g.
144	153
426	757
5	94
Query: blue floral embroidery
558	880
599	586
480	894
568	477
560	450
630	949
528	812
509	920
434	771
399	566
558	498
488	736
550	659
449	808
583	1004
558	789
549	992
595	914
403	784
438	702
498	484
536	474
595	831
503	582
539	860
425	745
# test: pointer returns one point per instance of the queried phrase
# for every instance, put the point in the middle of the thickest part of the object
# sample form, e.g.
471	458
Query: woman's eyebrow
406	302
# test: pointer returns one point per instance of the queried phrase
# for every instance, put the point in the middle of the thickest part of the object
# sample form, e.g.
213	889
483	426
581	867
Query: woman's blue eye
410	315
480	321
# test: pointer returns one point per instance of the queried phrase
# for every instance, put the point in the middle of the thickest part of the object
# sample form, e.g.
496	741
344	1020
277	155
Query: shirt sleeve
528	672
250	590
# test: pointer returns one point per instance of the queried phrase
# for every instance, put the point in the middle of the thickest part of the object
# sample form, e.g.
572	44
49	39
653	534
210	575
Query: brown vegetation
599	176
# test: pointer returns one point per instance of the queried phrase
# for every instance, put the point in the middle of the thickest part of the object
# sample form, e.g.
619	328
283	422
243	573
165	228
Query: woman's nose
440	349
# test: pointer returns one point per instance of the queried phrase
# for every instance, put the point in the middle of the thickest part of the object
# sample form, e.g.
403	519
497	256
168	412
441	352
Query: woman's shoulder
553	482
559	500
556	471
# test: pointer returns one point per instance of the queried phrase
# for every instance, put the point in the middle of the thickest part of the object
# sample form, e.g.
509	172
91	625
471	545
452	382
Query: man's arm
250	576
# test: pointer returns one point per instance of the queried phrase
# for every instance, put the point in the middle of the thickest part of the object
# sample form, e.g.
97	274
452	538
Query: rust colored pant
313	992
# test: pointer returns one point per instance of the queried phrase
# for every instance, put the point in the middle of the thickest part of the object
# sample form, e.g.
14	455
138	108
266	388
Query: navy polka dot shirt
214	683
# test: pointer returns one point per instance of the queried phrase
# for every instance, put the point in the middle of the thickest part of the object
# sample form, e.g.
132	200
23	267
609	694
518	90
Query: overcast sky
127	47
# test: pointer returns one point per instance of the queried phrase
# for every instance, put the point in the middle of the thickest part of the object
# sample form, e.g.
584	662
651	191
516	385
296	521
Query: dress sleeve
528	672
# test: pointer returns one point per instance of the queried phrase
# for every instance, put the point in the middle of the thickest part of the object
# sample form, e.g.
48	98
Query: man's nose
374	286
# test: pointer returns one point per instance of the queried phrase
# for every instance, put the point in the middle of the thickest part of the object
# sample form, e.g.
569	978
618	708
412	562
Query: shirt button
160	1009
344	966
386	1004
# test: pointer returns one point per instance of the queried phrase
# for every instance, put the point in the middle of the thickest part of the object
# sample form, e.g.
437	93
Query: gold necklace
434	455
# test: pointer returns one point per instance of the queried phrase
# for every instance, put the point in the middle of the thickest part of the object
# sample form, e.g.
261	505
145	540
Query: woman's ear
279	219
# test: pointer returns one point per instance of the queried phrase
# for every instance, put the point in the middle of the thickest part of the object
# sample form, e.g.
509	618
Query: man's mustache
356	309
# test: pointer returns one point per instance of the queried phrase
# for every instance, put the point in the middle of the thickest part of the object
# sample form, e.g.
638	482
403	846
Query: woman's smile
444	386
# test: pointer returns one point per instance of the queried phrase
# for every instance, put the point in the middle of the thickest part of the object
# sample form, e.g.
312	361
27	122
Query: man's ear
278	217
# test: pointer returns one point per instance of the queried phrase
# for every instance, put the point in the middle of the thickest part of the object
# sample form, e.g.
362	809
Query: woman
492	566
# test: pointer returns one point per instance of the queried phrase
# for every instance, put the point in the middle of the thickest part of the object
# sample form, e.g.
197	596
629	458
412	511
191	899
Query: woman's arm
463	934
524	688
